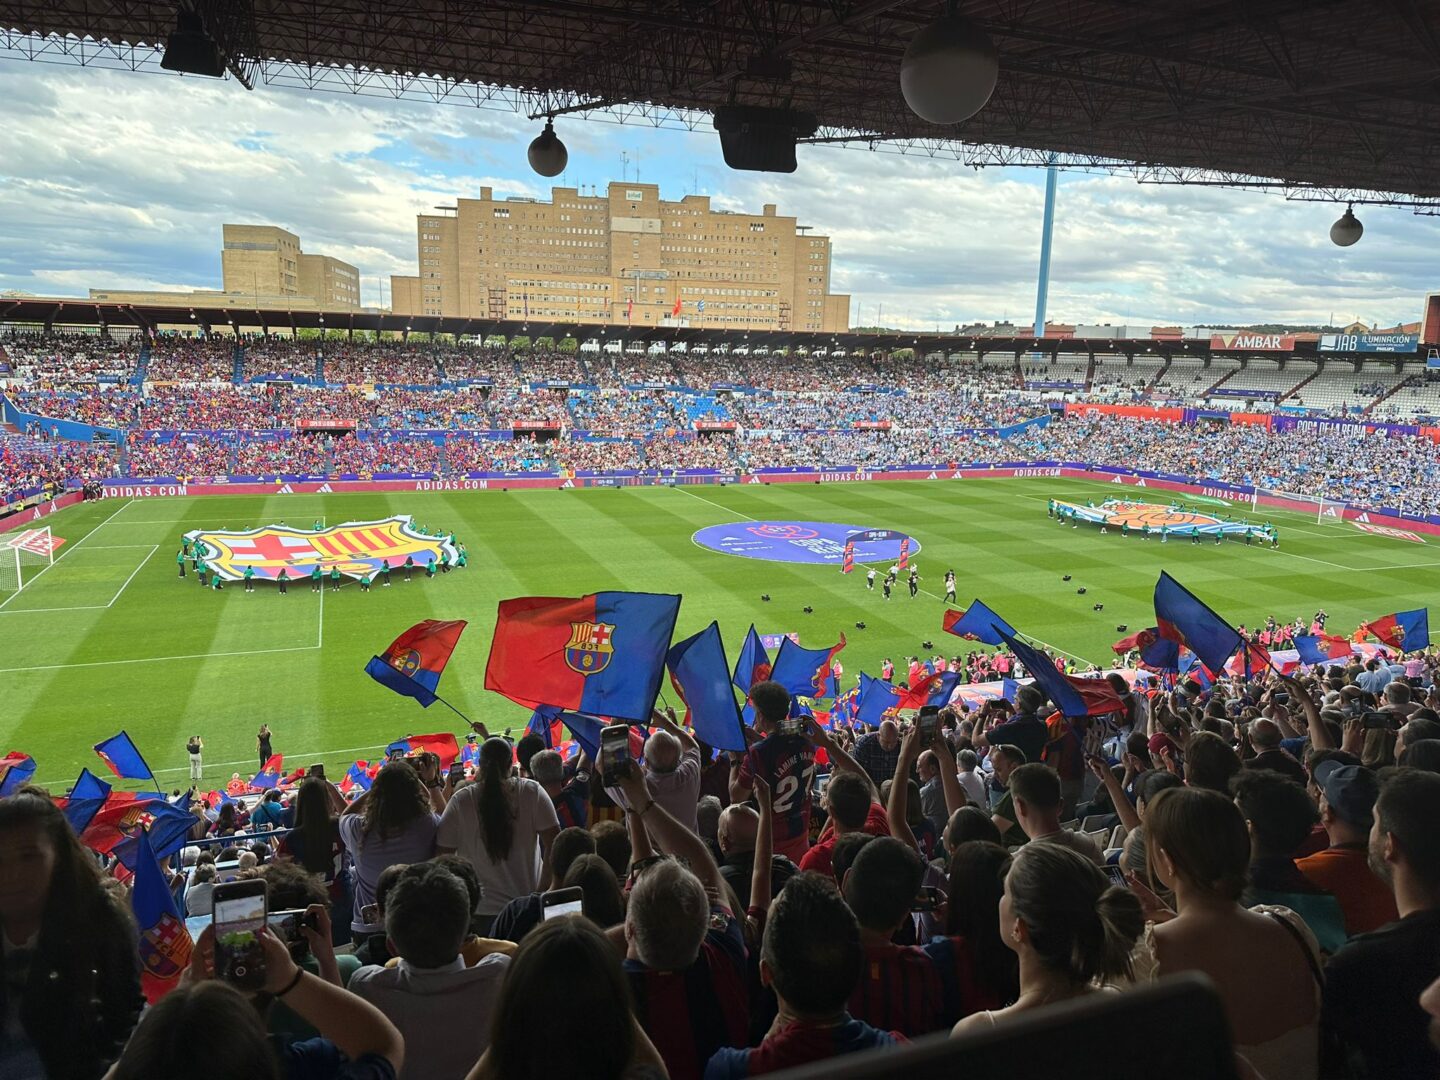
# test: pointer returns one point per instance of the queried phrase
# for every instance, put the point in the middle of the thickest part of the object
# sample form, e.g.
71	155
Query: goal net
1326	511
23	555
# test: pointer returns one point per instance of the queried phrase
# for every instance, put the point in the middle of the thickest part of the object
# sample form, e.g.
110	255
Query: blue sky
112	179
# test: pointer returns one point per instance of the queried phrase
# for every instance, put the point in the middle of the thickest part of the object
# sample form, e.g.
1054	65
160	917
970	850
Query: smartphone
1116	874
822	781
615	747
238	911
289	926
457	772
930	899
928	723
318	770
1374	720
558	902
1281	698
791	725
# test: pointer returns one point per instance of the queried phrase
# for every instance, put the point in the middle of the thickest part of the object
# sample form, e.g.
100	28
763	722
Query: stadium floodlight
191	49
1347	228
547	153
949	69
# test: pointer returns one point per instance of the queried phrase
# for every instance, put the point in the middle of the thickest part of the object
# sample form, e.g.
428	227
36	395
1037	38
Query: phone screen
615	745
239	958
927	724
571	907
562	902
1116	874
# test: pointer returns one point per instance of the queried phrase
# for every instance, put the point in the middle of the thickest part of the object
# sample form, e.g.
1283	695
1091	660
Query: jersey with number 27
787	763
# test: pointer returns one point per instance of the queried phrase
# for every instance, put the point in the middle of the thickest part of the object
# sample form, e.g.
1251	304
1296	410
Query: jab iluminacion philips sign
1369	343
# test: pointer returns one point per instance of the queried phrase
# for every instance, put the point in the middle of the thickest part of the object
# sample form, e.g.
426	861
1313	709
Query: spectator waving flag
877	700
701	677
1322	648
85	800
357	776
602	654
414	662
1182	617
976	623
1156	652
754	663
1073	696
1403	630
269	776
15	769
166	826
931	690
443	745
123	759
545	722
165	944
805	672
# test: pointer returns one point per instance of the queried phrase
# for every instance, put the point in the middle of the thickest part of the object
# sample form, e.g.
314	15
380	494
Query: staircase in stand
142	364
237	370
1295	390
1413	380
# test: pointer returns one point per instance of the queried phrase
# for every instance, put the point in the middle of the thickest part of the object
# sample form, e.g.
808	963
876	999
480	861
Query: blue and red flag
602	654
85	800
357	776
877	700
754	663
1156	652
1072	695
1322	648
165	825
842	713
117	818
847	560
934	689
976	623
586	730
165	943
701	677
442	744
806	671
123	759
16	769
1407	631
269	774
1181	616
470	753
545	722
414	662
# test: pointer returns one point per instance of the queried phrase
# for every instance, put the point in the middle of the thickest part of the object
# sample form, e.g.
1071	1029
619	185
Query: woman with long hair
71	986
393	822
572	952
504	825
314	842
1264	961
972	917
1068	926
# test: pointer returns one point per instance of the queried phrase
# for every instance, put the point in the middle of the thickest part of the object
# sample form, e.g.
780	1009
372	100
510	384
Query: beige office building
624	258
266	261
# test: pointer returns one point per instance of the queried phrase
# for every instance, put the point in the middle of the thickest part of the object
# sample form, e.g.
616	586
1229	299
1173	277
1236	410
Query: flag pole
456	711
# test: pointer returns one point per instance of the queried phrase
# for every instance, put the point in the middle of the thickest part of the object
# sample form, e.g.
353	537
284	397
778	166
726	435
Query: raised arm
667	721
760	885
955	796
1319	733
672	837
1106	775
898	806
839	757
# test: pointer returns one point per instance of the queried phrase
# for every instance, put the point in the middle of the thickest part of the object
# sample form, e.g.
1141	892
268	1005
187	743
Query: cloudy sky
111	179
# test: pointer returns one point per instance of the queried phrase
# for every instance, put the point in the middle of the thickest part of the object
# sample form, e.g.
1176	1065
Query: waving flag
842	713
1155	651
414	662
166	827
976	623
676	309
1322	648
269	776
470	753
357	776
85	800
1407	631
1072	695
932	690
545	722
602	654
16	769
877	700
165	944
702	679
443	745
806	671
1181	616
123	759
117	818
754	663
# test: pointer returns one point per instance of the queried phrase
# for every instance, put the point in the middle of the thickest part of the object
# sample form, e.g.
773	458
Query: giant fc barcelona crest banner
354	548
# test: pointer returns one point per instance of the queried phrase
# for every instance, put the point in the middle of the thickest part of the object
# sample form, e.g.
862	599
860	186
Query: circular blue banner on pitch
799	541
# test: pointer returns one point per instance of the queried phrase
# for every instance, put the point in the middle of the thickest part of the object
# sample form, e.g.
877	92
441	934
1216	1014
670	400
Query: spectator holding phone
71	990
393	822
314	843
504	826
786	761
672	770
356	1041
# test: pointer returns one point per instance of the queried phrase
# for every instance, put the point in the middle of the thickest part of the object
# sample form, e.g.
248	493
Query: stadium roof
68	312
1337	95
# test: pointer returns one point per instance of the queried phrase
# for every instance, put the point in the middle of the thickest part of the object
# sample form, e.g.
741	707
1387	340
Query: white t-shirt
973	784
519	873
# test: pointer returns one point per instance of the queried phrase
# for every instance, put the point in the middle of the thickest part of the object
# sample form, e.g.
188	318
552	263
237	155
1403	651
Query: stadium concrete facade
622	257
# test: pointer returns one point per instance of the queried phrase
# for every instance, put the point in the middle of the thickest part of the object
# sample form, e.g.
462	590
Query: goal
22	556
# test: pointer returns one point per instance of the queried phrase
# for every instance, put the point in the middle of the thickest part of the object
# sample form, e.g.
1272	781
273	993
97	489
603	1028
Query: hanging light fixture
949	69
547	153
1347	228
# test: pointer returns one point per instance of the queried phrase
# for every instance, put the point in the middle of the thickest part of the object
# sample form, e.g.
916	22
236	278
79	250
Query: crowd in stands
357	363
64	360
30	463
191	359
827	892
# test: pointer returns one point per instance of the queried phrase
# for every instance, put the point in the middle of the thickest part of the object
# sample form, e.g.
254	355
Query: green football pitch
107	637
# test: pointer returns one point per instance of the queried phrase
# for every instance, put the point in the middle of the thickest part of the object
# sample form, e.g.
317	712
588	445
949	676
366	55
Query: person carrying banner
409	566
365	582
180	562
385	573
334	577
283	580
429	569
249	577
316	578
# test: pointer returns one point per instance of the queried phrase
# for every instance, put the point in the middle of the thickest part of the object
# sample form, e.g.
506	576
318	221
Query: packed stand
60	360
179	455
351	455
191	359
280	358
28	463
363	363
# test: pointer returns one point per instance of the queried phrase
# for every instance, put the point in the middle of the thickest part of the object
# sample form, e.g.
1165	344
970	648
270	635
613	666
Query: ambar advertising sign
1243	341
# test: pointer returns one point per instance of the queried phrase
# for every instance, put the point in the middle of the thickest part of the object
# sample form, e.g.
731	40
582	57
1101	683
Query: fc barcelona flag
847	561
806	672
443	745
123	758
753	665
414	662
1181	616
602	654
904	563
165	944
16	769
1407	631
702	679
976	623
1072	696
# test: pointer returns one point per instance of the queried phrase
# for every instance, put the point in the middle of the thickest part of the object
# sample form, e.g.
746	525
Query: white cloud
111	179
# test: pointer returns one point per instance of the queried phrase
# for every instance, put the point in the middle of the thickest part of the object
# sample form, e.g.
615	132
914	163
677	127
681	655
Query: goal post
1327	511
23	555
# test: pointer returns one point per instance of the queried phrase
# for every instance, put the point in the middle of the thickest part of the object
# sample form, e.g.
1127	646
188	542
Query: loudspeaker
760	139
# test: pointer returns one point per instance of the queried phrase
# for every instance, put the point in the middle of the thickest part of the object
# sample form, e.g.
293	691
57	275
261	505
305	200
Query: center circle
800	541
